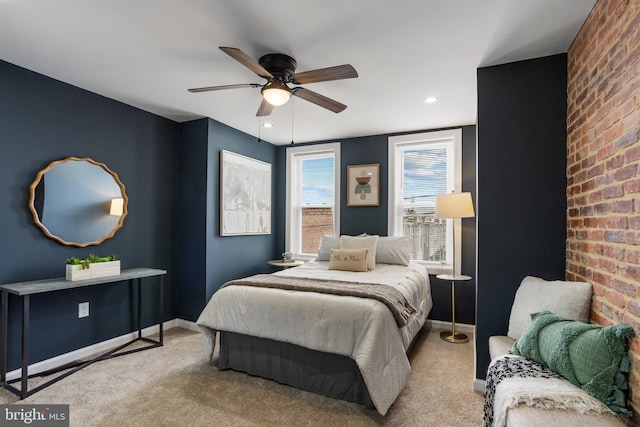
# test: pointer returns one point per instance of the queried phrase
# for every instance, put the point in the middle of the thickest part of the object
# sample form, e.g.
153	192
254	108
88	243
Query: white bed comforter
361	328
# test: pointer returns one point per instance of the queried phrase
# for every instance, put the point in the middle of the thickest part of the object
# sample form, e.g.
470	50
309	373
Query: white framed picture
245	195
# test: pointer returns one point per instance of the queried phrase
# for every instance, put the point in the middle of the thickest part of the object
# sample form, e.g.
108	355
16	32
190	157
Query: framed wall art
363	185
245	195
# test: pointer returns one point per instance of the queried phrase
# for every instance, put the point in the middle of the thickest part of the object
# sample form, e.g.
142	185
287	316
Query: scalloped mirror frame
36	218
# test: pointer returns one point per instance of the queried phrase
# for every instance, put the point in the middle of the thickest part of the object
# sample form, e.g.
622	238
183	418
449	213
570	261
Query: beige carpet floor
175	386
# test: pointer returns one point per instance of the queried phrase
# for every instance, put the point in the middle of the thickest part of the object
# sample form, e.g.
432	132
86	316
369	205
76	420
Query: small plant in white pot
92	267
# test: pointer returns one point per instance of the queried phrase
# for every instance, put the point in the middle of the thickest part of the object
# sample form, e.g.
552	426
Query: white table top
287	263
453	277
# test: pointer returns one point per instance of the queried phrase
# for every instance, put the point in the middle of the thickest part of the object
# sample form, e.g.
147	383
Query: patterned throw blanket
388	295
512	380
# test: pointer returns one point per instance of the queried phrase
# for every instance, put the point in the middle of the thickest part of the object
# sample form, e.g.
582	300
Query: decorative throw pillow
393	250
348	259
326	244
566	299
366	242
592	357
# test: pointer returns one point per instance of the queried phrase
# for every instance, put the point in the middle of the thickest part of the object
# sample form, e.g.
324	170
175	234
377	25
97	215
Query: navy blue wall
42	120
521	186
191	237
355	220
206	259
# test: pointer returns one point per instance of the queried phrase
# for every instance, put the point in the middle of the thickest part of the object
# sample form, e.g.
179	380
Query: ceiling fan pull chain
259	126
292	104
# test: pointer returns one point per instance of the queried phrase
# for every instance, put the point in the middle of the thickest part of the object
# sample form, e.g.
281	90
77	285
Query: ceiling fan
279	70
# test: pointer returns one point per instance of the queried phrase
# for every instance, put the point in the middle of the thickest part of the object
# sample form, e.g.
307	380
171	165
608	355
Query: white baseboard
446	326
100	347
186	324
479	386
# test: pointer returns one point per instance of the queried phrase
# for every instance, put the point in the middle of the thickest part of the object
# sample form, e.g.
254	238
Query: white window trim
394	226
310	150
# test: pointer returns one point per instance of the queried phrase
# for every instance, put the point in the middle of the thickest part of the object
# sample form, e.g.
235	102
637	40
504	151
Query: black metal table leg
5	342
139	308
161	308
24	392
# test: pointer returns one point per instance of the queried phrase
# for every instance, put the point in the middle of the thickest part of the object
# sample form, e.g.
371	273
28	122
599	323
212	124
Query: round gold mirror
78	201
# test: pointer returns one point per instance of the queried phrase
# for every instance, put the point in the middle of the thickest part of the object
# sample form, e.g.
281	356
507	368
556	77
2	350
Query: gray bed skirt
322	373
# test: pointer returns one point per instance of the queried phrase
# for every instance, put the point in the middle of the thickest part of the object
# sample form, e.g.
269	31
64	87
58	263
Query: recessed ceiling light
267	125
431	100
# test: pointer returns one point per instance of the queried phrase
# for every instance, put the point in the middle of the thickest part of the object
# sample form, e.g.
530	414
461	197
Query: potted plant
92	267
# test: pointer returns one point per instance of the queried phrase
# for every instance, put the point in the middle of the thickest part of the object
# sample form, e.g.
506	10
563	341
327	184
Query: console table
25	289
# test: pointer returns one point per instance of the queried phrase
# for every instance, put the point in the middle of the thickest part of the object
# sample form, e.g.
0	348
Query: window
422	166
313	197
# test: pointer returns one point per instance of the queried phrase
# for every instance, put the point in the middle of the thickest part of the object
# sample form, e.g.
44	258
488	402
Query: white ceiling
146	53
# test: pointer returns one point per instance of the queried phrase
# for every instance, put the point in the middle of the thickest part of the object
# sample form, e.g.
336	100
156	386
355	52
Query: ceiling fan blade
316	98
265	109
210	88
247	61
338	72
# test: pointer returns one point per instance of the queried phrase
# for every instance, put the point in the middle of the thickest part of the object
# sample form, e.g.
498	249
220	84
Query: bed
343	346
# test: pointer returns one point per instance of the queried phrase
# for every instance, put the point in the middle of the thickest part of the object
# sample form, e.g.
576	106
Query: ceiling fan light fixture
276	93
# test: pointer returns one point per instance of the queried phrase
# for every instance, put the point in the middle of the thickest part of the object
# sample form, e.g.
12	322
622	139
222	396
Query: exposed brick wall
603	162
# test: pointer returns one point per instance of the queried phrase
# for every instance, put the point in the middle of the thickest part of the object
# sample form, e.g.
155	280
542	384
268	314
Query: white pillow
565	299
367	242
326	244
394	250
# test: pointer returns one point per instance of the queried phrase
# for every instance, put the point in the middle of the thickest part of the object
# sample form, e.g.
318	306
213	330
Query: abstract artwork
245	195
363	185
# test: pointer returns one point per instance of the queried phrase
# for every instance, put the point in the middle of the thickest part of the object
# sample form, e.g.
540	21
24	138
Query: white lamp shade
117	207
276	95
454	205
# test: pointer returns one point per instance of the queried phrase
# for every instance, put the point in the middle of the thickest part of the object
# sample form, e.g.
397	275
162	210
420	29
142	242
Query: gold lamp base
449	336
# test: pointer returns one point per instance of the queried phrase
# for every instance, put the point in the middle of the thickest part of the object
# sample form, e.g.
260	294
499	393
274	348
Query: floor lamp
454	205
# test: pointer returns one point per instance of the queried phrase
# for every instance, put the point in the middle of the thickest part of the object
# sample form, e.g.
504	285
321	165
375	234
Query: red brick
632	256
634	307
604	179
595	196
614	236
608	265
627	139
622	206
630	272
586	210
632	186
624	287
615	162
616	299
614	222
632	154
613	191
595	171
601	278
632	237
626	172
